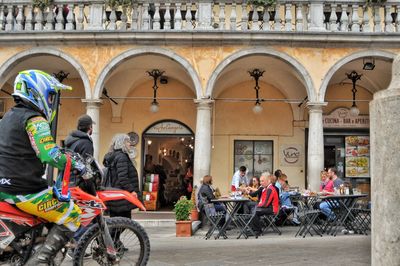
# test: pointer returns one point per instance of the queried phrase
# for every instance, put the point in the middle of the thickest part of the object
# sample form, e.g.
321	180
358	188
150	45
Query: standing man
80	140
239	178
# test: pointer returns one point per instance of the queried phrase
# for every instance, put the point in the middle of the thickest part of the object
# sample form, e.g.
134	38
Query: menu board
357	156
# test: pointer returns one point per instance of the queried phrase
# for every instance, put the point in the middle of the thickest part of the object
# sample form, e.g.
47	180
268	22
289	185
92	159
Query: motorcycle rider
26	145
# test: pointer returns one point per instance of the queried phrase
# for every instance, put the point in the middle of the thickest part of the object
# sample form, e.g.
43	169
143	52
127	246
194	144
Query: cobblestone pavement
270	249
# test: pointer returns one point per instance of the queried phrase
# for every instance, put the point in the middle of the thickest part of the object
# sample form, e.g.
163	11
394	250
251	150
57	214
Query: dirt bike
107	241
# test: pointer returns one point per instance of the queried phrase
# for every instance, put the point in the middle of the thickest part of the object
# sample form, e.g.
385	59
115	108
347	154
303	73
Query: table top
343	196
242	199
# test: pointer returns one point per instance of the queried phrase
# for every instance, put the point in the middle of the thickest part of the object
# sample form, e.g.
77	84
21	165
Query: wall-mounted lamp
354	76
369	63
256	74
155	73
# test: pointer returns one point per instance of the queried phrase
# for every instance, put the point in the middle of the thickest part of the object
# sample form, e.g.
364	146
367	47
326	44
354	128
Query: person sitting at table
208	192
324	179
269	201
287	206
328	186
324	206
253	192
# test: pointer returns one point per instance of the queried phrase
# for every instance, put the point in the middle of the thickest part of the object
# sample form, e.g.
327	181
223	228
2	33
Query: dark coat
125	178
80	142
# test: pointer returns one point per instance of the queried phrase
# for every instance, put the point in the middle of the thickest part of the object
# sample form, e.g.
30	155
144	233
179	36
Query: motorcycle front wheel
130	241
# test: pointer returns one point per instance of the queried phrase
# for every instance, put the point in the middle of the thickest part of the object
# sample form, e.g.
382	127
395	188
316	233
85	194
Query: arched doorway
167	163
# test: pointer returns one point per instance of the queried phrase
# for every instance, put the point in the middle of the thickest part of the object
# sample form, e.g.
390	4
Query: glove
60	196
79	168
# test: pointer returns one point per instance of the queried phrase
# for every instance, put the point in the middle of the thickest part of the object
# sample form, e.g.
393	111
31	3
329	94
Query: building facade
206	94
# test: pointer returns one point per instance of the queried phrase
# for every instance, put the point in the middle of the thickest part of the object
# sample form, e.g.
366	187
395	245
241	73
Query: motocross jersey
26	145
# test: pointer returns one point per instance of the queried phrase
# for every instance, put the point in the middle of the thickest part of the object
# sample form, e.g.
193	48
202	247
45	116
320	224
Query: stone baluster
388	19
288	17
299	17
196	15
50	19
377	19
113	19
146	16
178	17
222	16
366	24
2	18
134	15
233	17
355	19
19	25
254	25
333	26
344	19
29	18
167	17
245	16
277	20
80	17
266	18
156	17
59	18
38	20
70	17
124	18
188	16
10	18
398	18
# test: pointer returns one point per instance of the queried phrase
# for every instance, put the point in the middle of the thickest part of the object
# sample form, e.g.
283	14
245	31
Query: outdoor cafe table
232	205
342	206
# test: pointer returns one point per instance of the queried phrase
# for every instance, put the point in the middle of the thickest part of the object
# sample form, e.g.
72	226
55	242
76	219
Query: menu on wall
357	156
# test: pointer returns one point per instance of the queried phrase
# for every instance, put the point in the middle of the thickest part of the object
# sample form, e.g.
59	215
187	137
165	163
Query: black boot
58	236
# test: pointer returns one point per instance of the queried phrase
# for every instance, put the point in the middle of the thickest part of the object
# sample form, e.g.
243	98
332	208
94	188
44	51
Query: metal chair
215	219
269	223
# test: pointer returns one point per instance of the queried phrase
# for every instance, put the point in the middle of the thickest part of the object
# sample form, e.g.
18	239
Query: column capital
316	106
204	103
93	102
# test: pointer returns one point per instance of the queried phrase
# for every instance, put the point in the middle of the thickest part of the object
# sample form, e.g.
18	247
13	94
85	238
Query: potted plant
263	3
182	210
42	4
194	214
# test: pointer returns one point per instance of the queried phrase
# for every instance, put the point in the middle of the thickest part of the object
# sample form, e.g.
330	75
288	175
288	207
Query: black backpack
108	176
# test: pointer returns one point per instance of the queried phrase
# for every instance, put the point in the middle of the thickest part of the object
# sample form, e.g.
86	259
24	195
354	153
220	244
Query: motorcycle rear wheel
130	240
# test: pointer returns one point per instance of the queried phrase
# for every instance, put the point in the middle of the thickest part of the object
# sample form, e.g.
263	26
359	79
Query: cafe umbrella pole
53	126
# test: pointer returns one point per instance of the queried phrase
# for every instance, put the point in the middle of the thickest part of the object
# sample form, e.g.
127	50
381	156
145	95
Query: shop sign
168	128
341	118
291	155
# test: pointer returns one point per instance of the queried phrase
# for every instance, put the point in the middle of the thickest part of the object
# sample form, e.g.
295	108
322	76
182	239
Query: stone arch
142	51
14	60
345	60
268	52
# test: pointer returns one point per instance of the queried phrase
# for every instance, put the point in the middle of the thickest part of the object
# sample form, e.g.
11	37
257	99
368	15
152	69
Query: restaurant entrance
168	149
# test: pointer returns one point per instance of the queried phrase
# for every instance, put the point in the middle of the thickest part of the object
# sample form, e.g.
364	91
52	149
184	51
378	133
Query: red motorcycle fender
109	195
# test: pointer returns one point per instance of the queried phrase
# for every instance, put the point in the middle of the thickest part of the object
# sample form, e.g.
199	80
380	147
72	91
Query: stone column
202	147
385	164
93	110
315	154
317	16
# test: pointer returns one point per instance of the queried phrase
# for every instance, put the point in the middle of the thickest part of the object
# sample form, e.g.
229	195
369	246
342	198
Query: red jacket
269	196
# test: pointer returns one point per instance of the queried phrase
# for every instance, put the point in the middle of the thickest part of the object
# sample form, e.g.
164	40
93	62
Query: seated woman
254	193
269	202
287	206
207	192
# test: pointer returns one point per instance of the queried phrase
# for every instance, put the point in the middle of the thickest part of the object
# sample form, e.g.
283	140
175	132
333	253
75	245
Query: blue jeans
325	208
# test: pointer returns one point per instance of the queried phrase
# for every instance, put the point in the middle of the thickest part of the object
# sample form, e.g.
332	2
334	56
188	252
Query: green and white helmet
38	89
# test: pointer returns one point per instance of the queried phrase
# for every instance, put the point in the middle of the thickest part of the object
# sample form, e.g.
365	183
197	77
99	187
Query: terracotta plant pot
183	228
194	215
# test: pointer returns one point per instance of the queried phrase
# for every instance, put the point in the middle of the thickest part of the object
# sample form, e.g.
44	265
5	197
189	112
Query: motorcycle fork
105	234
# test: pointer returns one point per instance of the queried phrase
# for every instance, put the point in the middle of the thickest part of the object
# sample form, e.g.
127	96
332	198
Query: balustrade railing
229	15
